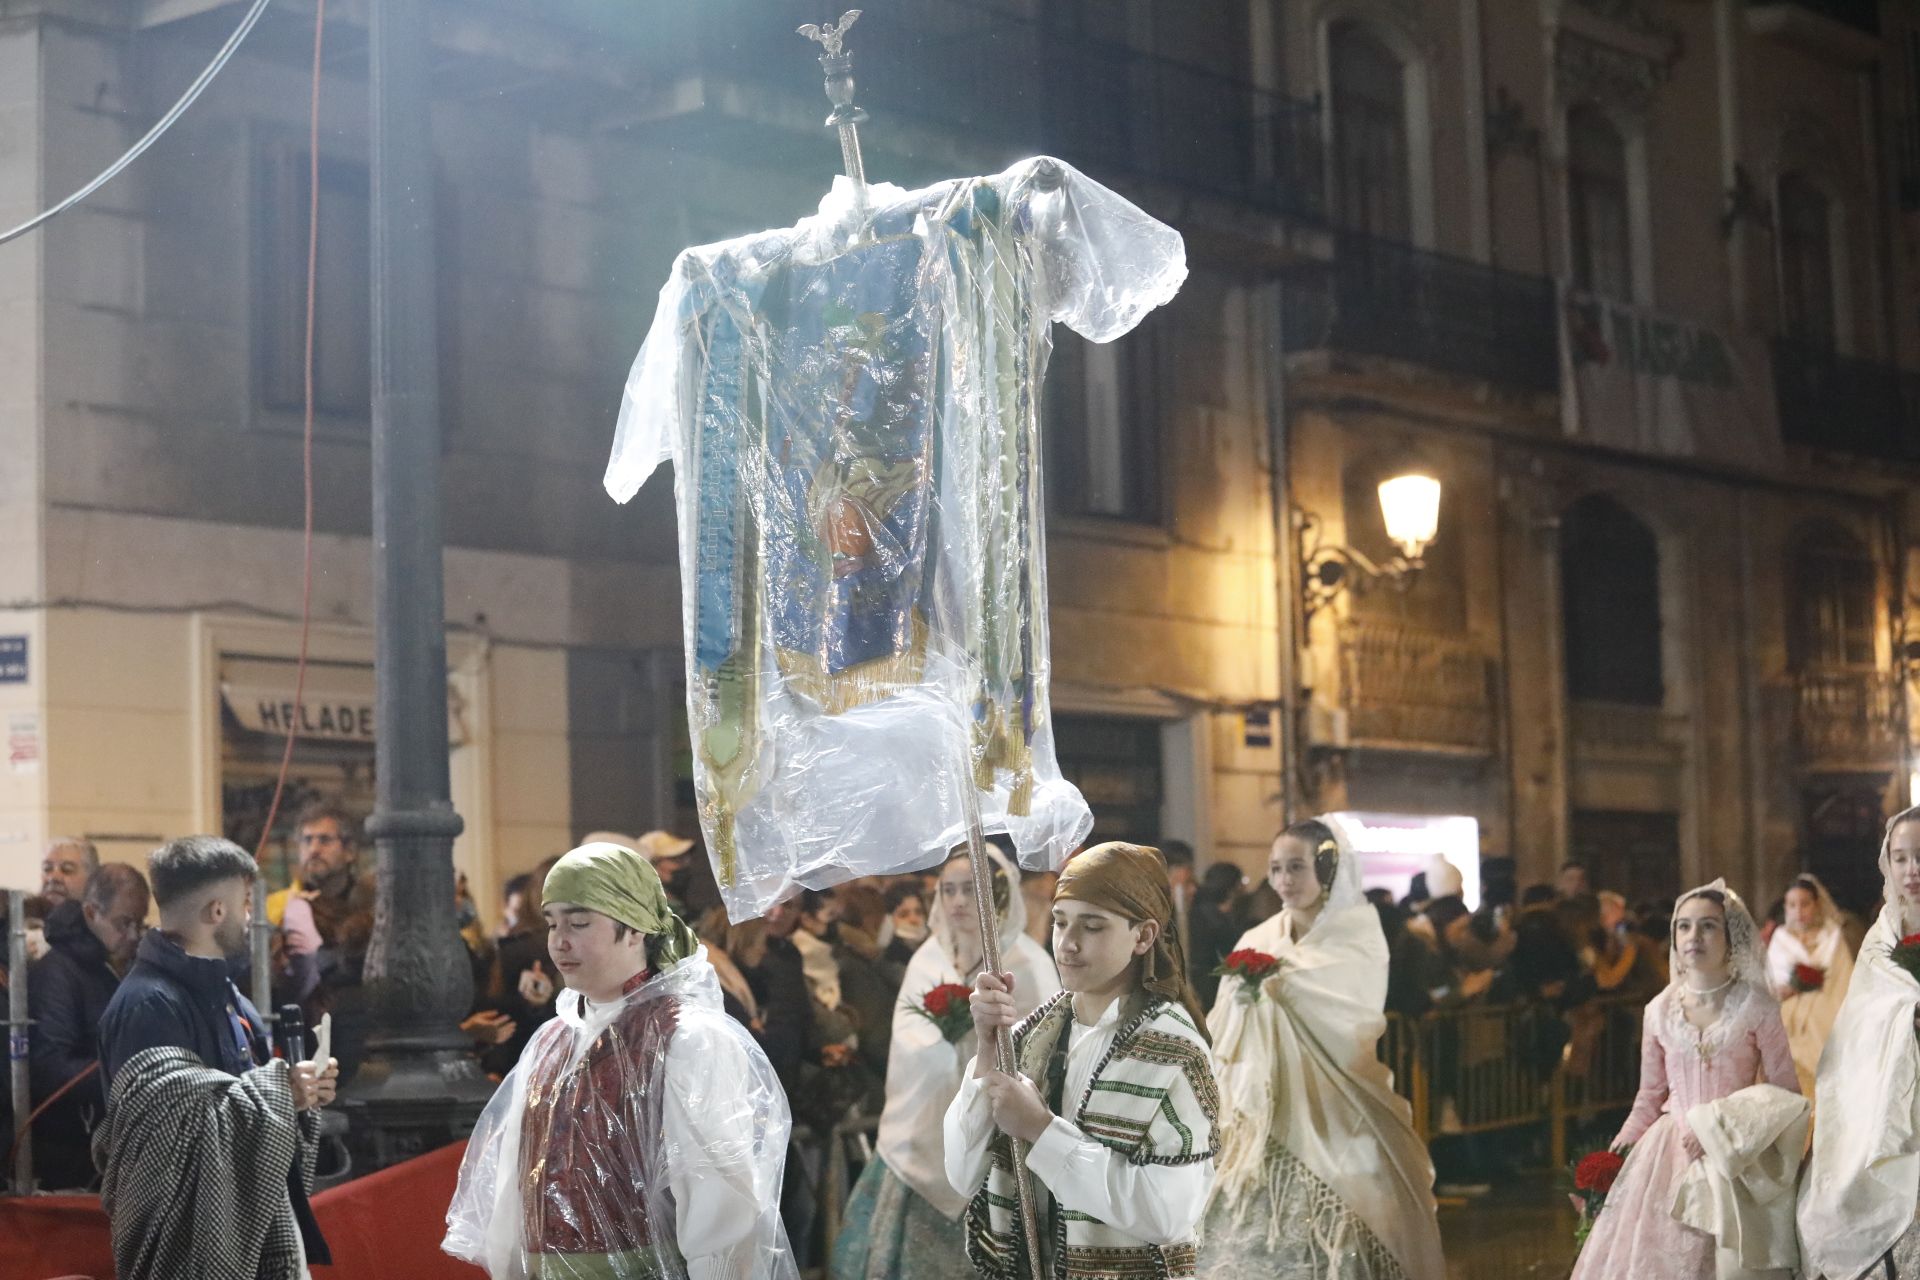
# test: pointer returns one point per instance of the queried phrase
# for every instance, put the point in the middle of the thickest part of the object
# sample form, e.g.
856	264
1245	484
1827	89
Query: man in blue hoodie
178	996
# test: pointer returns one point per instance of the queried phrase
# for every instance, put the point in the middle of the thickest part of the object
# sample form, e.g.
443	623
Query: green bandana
617	882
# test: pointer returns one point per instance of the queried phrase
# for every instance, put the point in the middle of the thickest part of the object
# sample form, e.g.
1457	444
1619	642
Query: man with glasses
325	920
90	943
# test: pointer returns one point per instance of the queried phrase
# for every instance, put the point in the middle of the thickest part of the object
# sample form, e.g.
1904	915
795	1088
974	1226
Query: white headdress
1890	892
1347	888
1013	920
1746	962
1823	901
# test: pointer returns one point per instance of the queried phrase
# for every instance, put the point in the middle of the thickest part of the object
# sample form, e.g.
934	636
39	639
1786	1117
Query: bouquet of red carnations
1592	1176
1251	967
1906	954
1808	977
948	1007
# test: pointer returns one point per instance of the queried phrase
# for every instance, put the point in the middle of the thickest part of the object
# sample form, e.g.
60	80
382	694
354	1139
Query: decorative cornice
1628	15
1591	71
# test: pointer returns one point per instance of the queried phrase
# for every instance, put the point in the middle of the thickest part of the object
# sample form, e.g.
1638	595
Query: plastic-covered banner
852	409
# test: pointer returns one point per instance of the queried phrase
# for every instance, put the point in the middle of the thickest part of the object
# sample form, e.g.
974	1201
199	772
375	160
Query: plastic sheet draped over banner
852	409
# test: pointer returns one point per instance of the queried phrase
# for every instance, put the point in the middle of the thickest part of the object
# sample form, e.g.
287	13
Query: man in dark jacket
90	942
178	994
791	1039
64	871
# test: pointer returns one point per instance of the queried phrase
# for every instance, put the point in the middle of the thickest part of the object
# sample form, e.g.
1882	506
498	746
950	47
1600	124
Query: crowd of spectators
816	981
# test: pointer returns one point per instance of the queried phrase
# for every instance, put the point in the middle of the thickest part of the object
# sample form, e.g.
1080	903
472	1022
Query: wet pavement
1522	1231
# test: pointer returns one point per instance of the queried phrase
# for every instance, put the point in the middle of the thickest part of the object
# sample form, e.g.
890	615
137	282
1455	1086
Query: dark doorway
1844	822
1636	855
1116	763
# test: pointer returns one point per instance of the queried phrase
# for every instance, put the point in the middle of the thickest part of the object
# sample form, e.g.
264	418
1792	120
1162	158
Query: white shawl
1741	1190
1299	1066
924	1071
1864	1177
1785	950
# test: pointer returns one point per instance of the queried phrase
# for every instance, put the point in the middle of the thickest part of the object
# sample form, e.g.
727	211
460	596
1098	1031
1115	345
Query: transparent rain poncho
852	407
638	1140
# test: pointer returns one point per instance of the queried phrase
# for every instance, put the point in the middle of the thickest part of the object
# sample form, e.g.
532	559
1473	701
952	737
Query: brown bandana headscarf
1130	880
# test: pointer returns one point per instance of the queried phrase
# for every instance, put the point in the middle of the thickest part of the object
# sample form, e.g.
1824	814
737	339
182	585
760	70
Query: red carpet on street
385	1224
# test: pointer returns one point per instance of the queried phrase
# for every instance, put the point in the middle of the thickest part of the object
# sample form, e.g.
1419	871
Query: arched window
1806	262
1834	598
1597	205
1610	594
1372	183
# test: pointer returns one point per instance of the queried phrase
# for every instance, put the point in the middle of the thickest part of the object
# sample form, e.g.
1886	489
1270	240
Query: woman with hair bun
1321	1176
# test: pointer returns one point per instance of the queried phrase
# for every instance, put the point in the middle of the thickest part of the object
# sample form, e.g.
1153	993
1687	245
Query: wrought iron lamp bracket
1328	568
1906	637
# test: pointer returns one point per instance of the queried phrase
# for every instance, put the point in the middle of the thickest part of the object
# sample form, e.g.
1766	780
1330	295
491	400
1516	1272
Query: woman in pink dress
1715	1030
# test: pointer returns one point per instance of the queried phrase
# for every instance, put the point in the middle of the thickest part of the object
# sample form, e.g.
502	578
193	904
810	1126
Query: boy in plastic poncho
643	1134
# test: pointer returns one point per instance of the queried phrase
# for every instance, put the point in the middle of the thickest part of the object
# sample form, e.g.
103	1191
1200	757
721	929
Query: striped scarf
1152	1098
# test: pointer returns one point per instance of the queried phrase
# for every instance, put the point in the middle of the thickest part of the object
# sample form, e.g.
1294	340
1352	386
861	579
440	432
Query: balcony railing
1846	720
1415	689
1380	298
1862	15
1023	87
1846	405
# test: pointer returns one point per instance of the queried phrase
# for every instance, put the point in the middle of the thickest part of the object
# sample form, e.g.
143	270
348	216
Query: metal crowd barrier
1482	1068
18	1177
22	1098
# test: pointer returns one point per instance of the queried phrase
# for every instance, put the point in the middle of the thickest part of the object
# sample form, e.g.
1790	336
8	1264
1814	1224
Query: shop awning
336	704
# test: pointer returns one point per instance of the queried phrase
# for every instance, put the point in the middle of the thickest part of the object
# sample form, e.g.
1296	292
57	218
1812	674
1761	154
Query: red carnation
1911	940
1596	1172
1808	977
1592	1178
1251	964
1251	967
948	1007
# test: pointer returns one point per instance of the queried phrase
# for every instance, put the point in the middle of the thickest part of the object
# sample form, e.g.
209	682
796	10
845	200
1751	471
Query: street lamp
1410	507
418	1088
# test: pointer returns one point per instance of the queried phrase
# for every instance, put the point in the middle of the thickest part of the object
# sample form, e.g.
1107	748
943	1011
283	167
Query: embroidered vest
1152	1099
582	1117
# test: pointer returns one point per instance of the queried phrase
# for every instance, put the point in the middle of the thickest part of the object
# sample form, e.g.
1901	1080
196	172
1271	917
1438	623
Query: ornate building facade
1634	279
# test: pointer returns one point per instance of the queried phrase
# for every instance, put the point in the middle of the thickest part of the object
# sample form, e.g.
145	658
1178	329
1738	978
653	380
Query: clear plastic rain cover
639	1140
852	409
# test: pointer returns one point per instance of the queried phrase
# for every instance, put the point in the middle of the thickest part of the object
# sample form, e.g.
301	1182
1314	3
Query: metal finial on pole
845	117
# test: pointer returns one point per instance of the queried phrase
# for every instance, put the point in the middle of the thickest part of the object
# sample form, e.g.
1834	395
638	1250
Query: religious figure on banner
852	409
